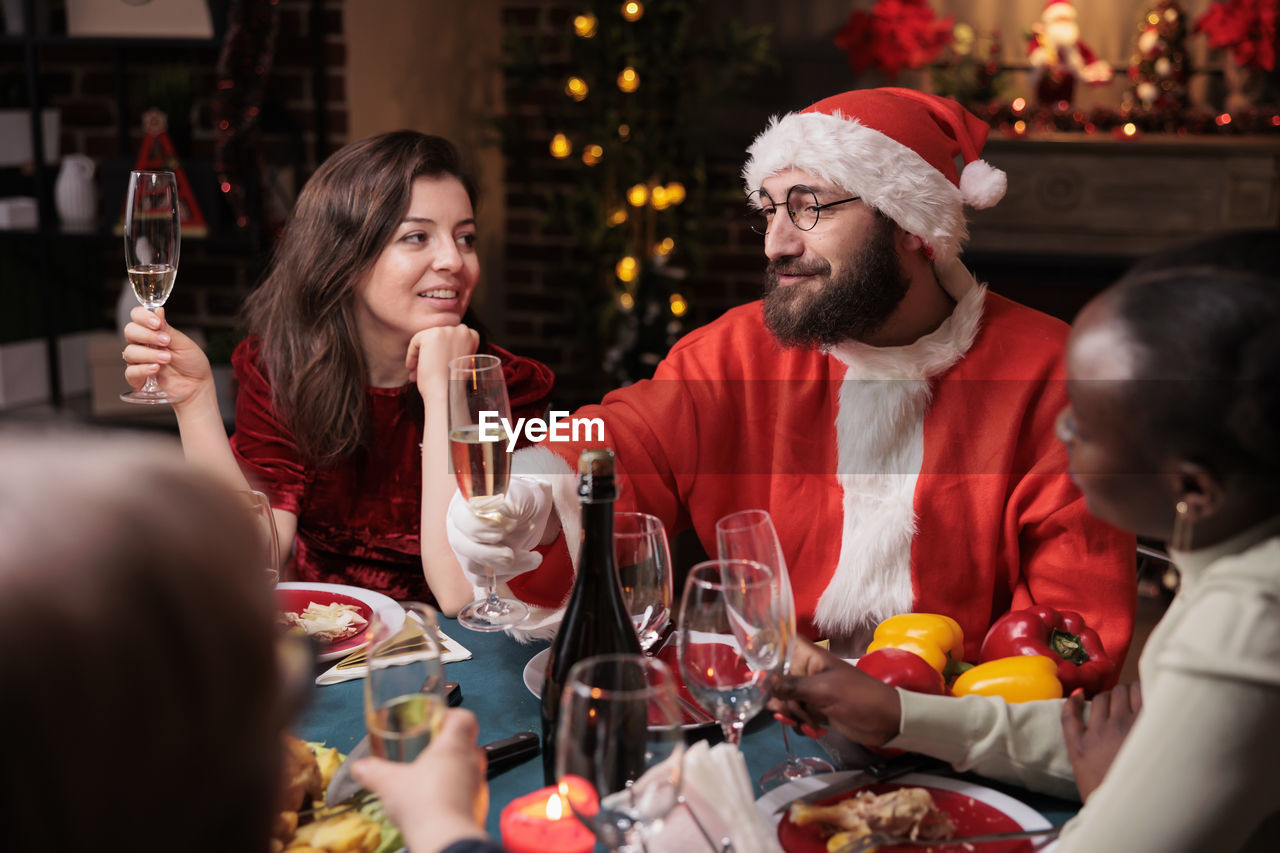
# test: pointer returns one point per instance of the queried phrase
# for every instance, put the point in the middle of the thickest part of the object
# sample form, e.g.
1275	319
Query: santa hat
896	148
1063	6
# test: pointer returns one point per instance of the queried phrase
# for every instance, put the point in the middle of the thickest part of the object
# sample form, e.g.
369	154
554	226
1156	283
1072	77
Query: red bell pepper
899	668
1058	634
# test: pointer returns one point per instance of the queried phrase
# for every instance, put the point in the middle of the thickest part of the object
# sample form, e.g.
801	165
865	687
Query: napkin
344	671
718	790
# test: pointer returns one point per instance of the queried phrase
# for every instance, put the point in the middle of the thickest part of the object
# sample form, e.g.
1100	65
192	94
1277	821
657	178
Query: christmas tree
620	99
1159	68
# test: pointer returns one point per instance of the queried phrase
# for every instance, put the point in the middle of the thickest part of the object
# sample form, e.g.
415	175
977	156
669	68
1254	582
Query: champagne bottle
595	621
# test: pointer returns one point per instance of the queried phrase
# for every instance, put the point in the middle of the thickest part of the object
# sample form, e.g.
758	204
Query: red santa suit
924	477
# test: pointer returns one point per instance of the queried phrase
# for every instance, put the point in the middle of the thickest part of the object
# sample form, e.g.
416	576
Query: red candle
542	822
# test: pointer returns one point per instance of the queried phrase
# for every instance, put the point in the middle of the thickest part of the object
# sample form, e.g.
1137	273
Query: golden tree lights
592	154
627	269
632	10
585	25
638	195
678	305
560	146
628	80
576	88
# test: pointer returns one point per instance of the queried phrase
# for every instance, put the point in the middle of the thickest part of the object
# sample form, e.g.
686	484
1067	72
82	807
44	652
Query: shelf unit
48	235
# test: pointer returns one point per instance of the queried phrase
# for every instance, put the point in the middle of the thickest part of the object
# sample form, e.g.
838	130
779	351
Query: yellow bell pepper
1024	678
932	636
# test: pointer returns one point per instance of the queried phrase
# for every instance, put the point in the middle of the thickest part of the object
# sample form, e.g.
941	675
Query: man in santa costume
894	417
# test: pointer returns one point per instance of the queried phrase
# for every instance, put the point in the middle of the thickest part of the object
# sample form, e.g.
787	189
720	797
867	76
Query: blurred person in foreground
1173	430
144	698
893	416
342	409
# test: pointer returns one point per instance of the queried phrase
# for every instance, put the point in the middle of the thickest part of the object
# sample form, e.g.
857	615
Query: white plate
386	607
1020	812
535	671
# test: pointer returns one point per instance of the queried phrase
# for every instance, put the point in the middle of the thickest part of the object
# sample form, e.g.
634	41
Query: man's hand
1093	746
499	541
440	798
824	690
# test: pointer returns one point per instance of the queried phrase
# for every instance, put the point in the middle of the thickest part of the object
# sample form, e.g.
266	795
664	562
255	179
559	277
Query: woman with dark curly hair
342	414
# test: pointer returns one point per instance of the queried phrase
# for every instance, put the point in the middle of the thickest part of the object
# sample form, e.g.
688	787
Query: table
493	689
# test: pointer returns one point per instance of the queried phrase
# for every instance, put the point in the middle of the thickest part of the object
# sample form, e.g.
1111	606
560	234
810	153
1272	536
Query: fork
877	839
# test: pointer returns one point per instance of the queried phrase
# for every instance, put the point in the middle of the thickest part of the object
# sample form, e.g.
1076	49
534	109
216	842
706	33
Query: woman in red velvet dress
342	410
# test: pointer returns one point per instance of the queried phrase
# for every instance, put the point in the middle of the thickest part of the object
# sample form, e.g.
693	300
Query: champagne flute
482	465
152	239
619	747
750	535
404	697
644	572
731	639
258	504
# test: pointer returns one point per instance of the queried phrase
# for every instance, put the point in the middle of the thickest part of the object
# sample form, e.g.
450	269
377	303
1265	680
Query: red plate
296	601
970	816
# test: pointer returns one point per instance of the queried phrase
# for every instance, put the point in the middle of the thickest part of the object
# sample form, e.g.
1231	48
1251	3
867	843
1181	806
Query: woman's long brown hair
303	314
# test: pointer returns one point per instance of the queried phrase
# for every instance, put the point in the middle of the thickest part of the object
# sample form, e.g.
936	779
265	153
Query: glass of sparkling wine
644	571
152	239
404	697
482	466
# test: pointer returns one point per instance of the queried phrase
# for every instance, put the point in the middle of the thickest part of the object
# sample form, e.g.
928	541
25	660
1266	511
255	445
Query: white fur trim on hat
982	185
888	175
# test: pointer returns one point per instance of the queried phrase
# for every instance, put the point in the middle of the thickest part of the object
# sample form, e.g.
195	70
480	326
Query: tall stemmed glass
152	238
619	748
750	535
731	637
643	557
482	465
404	697
269	540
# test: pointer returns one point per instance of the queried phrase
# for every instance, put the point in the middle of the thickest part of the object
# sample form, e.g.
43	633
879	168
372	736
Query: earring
1180	539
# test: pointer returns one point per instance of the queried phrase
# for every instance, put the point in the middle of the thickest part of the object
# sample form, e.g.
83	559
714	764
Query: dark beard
854	305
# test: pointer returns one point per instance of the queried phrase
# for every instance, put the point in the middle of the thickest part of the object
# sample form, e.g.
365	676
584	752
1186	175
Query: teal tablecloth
493	689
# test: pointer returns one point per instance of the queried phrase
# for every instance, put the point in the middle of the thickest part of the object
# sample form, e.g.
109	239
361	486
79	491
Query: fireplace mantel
1077	195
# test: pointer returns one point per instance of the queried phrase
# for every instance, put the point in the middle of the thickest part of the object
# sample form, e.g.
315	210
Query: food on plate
1060	635
902	812
309	767
1025	678
328	622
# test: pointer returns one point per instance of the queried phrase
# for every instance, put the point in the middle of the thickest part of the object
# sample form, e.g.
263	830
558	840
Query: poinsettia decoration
1247	27
895	34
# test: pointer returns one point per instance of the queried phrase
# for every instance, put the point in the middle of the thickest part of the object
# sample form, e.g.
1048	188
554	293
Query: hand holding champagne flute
404	698
152	239
482	465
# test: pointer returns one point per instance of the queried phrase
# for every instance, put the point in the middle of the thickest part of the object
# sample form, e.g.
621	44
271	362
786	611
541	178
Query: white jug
74	193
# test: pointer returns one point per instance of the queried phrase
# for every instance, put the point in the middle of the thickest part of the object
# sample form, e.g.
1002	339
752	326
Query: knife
872	774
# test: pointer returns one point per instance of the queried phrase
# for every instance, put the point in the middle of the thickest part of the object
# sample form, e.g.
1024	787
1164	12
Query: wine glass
750	535
643	558
152	238
619	747
404	696
482	465
731	639
260	507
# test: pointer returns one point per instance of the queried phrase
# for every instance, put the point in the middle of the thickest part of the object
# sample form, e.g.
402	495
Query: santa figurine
1058	57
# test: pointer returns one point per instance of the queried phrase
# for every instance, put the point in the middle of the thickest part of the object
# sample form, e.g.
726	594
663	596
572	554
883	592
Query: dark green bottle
596	621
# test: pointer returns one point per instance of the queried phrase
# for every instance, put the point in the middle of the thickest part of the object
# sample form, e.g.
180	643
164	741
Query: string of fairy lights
637	204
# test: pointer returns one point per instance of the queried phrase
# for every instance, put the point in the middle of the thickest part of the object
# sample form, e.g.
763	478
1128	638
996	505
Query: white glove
500	542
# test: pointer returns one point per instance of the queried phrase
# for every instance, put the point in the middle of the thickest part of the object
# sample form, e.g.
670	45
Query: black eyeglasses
802	207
